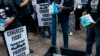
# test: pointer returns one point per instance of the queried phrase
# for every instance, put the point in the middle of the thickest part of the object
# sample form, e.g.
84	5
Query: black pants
28	21
93	35
42	31
78	14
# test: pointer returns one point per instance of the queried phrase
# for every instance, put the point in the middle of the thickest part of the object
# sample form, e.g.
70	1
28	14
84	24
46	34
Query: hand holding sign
92	24
8	21
87	20
60	6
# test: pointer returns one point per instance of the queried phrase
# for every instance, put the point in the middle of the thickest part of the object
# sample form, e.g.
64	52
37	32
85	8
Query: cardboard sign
17	42
44	18
86	20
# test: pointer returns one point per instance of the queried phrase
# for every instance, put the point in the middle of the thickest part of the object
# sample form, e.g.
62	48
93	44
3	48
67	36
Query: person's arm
65	8
9	20
11	15
24	3
75	4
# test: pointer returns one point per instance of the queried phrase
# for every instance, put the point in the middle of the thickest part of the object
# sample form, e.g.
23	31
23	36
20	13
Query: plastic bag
53	9
2	23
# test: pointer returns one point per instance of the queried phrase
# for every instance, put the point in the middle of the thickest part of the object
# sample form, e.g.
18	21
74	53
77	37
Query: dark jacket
96	16
21	11
10	12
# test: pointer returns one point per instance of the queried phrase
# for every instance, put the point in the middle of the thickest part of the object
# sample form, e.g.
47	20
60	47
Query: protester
93	31
33	20
23	10
9	14
66	7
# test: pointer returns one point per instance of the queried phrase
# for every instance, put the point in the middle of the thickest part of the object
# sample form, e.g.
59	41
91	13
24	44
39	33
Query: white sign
17	41
44	18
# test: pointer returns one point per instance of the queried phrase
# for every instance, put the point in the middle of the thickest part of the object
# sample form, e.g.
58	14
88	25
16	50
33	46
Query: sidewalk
40	47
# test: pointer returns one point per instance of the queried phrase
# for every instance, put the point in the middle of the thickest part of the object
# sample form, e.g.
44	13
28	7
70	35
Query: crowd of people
18	13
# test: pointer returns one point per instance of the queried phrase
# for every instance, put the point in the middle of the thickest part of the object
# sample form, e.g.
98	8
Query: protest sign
44	18
17	42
